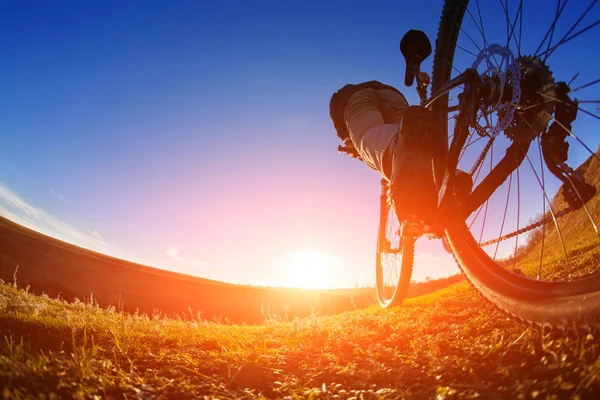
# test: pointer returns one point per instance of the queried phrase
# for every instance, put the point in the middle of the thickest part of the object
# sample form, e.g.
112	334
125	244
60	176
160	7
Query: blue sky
196	135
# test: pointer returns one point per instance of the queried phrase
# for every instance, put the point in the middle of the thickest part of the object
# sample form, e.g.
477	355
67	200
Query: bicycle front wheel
527	235
395	257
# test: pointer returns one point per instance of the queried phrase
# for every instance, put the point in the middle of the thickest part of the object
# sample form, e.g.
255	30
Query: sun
309	269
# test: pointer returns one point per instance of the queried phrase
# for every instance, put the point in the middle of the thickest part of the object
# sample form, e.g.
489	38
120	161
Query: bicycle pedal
416	228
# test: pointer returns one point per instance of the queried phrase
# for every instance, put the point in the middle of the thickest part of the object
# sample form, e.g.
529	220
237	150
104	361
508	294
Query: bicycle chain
482	156
529	227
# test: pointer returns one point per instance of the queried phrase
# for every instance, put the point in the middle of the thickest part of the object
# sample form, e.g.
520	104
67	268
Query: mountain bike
506	91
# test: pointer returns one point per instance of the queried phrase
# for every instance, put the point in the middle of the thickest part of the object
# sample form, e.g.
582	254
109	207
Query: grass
447	345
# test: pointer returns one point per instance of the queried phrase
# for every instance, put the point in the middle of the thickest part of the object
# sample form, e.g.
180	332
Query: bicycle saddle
415	47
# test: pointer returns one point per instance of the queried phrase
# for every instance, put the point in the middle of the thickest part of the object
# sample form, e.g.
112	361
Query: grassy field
447	345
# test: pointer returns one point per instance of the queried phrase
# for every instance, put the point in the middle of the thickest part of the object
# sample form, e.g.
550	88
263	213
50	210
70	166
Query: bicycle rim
394	264
532	246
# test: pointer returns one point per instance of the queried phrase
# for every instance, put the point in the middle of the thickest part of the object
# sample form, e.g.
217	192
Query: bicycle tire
565	305
400	253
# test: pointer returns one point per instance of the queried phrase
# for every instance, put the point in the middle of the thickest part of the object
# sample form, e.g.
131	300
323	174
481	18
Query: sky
195	136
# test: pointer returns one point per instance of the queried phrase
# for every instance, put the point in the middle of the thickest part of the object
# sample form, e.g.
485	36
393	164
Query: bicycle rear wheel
395	257
527	236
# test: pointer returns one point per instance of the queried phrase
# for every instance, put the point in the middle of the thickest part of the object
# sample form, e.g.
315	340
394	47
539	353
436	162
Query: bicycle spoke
462	152
520	29
554	25
539	274
568	39
588	113
476	215
518	216
535	54
572	79
505	7
584	206
584	86
482	156
504	216
465	50
481	21
542	186
477	168
483	223
512	31
554	218
473	142
571	29
494	55
579	108
572	134
472	41
487	201
479	28
550	98
535	105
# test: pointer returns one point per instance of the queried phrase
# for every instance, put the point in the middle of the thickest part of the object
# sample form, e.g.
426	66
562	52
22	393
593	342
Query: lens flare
308	269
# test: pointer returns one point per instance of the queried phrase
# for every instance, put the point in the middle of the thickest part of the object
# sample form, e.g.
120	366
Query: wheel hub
504	74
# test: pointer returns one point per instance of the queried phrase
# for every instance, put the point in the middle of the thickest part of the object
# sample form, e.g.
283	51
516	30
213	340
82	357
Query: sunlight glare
309	269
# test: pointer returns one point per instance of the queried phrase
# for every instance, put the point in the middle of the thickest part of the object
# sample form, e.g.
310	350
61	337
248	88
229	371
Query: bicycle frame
475	90
468	105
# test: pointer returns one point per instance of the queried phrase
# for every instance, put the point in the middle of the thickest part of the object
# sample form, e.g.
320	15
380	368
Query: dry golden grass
445	345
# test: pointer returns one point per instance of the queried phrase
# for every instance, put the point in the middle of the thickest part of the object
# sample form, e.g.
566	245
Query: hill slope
50	266
54	267
581	241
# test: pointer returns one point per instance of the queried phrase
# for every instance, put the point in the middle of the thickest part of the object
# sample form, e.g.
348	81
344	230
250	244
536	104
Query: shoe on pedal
412	187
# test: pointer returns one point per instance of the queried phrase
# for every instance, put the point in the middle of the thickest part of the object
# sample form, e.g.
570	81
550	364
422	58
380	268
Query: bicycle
542	271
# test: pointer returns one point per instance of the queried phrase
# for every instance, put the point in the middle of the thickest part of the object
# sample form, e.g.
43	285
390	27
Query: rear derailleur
575	190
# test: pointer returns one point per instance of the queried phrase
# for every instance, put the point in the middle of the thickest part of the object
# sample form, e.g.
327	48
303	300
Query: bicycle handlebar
350	151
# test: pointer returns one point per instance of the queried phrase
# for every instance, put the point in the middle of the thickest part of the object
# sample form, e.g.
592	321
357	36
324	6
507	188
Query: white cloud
173	254
57	194
14	208
95	234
